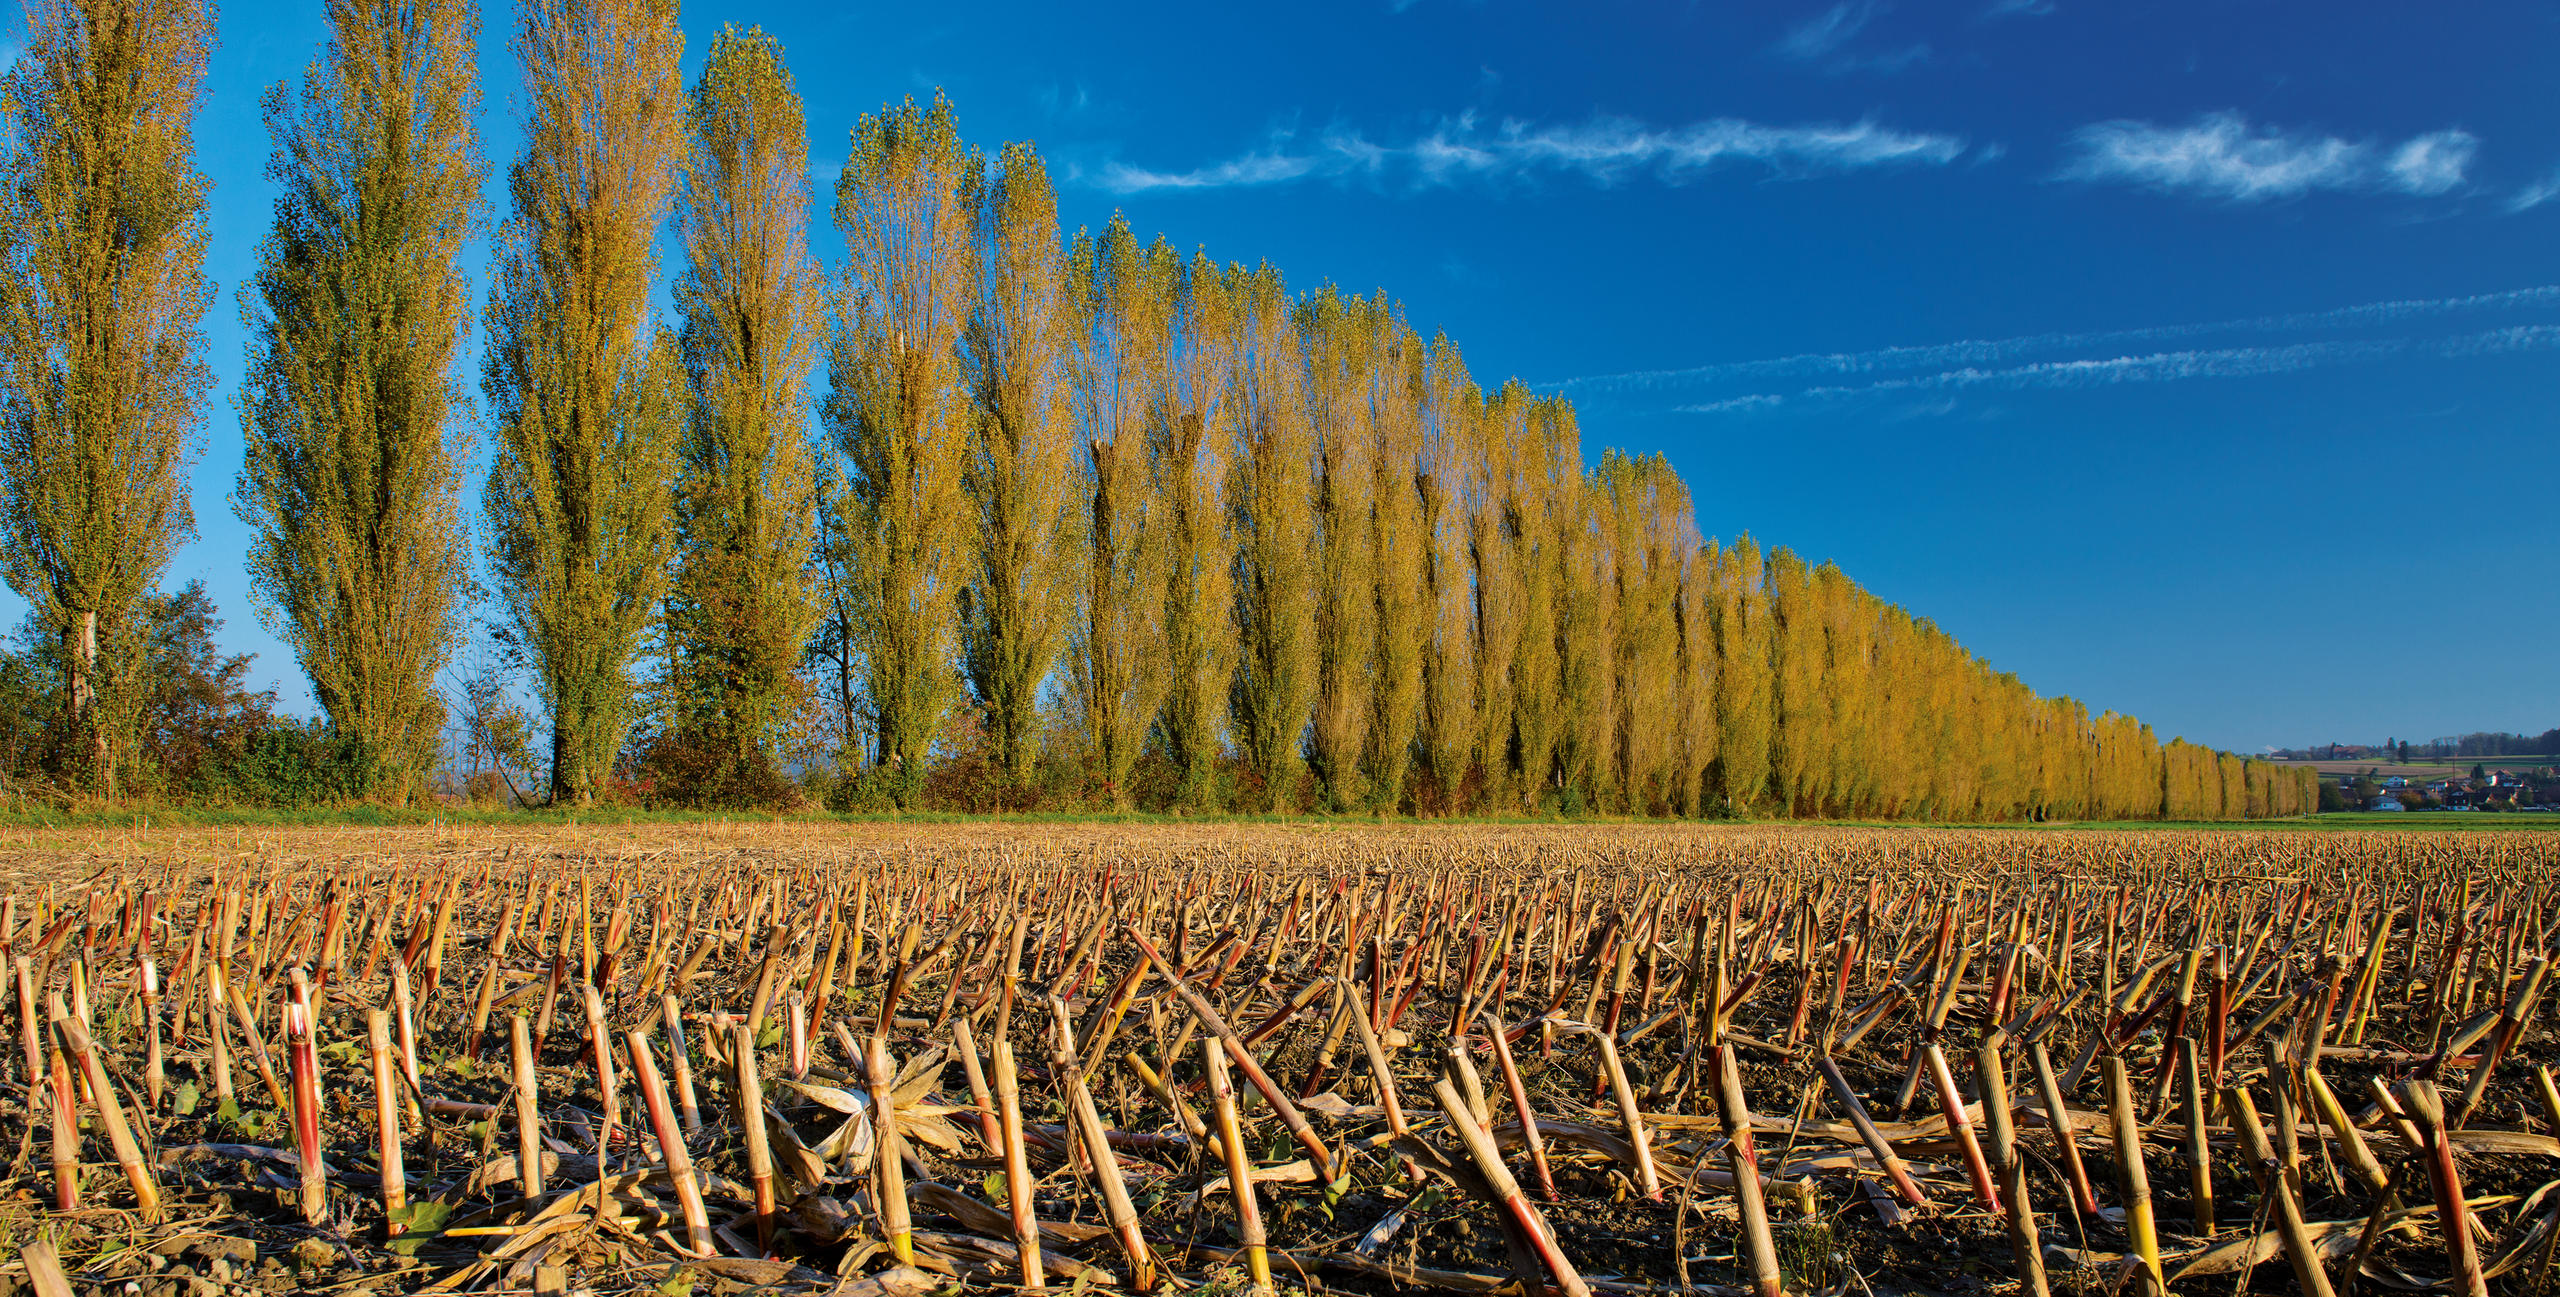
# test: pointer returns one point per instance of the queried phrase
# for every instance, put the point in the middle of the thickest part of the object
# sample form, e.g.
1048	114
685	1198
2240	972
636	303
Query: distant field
2425	769
2346	822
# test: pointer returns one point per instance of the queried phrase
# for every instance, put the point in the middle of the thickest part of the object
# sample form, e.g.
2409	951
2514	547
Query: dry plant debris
911	1059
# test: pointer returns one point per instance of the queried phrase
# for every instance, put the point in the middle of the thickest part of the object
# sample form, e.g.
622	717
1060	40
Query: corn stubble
1569	1059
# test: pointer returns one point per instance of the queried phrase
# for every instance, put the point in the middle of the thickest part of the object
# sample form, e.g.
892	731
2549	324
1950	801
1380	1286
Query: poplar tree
741	604
1576	562
1847	617
1019	477
585	400
351	476
102	372
1188	435
1803	714
1515	625
1648	533
1694	704
1272	516
1401	610
1541	506
1333	335
1444	481
1115	663
898	417
1745	723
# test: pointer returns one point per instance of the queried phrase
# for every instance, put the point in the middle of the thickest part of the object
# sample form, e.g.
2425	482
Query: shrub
292	765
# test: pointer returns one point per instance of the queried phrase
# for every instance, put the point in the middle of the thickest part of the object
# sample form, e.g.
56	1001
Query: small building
2389	804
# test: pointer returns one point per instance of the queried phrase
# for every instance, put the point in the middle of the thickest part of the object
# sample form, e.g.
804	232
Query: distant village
2532	788
2476	772
2489	786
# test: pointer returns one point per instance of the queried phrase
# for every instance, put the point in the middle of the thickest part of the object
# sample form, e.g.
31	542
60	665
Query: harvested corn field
1571	1059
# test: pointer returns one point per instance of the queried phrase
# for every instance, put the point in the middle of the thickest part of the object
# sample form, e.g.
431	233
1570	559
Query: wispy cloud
1604	150
2161	367
1827	31
2221	155
2431	163
1055	99
1999	351
1825	37
2018	9
2536	193
1245	172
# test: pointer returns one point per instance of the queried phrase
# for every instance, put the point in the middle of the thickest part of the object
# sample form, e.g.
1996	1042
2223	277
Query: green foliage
1186	450
102	369
351	477
585	396
1018	476
420	1221
292	764
204	736
897	420
1271	500
740	606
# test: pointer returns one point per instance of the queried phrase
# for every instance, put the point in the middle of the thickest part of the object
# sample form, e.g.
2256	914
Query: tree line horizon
1071	519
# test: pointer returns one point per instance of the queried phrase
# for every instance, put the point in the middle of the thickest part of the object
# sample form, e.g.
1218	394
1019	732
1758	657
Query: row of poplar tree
1089	499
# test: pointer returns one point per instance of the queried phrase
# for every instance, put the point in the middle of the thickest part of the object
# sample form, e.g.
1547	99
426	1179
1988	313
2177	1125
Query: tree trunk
568	773
84	699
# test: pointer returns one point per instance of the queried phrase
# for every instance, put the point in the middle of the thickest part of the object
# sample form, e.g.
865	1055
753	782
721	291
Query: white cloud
2432	164
1755	401
1829	30
1604	150
1248	171
2161	367
1999	351
2221	155
2536	194
1825	37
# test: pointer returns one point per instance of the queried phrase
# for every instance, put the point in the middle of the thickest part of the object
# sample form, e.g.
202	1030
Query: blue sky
2197	360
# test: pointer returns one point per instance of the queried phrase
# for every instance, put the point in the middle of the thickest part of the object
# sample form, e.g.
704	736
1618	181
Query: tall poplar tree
1575	560
1400	617
1848	662
1514	623
1333	335
1020	474
898	417
1115	665
1802	731
1444	479
585	402
1694	703
1745	690
1648	534
740	606
1273	523
1189	433
102	371
351	477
